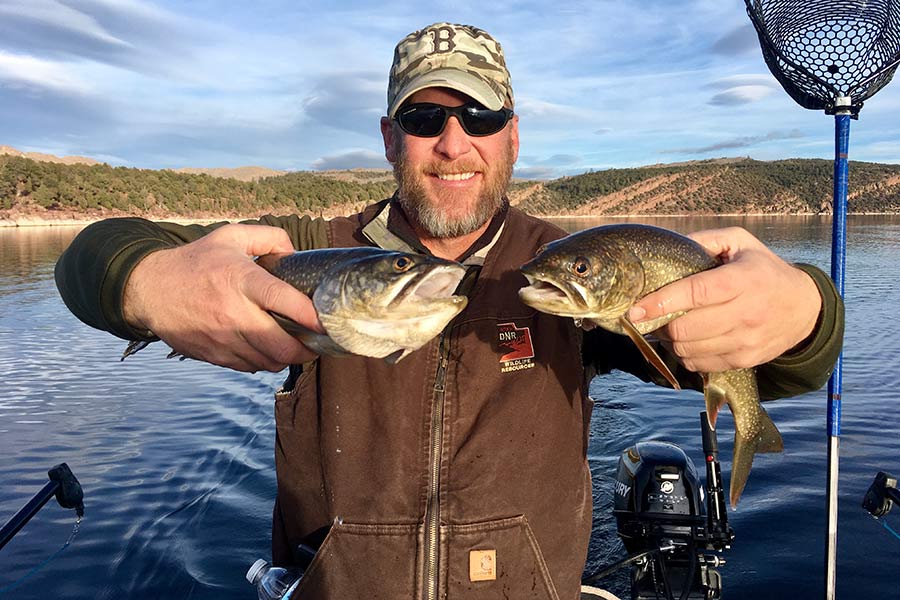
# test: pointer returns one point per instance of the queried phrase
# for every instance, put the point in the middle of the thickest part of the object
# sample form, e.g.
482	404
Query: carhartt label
482	565
515	346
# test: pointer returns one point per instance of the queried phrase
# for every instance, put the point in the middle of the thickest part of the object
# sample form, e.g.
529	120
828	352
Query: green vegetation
744	186
705	187
54	186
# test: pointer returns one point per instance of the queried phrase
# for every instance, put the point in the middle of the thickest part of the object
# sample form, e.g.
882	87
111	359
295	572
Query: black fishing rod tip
68	492
881	495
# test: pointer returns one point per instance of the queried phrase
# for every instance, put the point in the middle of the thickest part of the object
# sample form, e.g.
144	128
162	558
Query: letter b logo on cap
442	38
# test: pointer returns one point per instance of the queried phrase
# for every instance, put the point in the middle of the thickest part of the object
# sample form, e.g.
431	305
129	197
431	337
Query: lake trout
370	301
598	274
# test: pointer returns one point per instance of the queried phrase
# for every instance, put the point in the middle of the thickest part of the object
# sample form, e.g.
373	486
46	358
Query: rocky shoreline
12	218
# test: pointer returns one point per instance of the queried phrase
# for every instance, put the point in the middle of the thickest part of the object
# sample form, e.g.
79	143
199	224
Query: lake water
176	458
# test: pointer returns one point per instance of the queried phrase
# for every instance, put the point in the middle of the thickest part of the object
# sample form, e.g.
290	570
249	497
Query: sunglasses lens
482	121
429	120
423	121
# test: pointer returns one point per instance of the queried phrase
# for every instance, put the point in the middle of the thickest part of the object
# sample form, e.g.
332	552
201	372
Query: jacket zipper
433	508
433	511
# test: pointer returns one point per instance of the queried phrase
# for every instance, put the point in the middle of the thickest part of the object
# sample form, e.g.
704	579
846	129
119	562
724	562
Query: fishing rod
880	498
63	484
831	55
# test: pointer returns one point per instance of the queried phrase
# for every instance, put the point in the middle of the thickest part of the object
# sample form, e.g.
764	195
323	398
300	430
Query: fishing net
820	50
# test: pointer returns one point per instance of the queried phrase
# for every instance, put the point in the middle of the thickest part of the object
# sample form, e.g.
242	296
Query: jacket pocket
496	559
357	561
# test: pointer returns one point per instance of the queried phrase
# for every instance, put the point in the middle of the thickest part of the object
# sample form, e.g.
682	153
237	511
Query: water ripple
176	458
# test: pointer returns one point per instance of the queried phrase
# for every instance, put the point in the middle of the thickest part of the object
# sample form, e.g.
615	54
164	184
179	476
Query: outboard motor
667	519
658	498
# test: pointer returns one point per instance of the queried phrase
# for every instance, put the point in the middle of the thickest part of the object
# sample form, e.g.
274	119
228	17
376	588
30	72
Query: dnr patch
517	352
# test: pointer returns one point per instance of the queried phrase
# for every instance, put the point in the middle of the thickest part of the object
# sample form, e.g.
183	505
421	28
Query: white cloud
58	16
36	73
742	94
288	85
351	159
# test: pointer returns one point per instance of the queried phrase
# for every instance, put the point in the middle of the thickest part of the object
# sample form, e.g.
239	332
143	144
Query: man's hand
209	300
746	312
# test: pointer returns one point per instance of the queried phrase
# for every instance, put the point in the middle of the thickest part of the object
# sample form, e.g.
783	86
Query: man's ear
387	134
514	133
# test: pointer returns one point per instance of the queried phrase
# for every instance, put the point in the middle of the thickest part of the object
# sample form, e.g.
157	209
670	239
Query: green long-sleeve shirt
91	276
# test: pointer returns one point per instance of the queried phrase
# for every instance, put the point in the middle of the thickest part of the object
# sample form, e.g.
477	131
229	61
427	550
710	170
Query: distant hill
246	173
66	160
738	186
37	190
249	173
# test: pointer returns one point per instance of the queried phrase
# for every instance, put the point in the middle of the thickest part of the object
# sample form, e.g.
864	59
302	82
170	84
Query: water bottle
273	583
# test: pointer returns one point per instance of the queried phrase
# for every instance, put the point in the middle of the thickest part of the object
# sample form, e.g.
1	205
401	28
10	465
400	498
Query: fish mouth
435	285
567	299
439	282
403	317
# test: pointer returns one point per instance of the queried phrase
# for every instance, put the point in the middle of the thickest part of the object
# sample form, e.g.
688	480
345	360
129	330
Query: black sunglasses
428	120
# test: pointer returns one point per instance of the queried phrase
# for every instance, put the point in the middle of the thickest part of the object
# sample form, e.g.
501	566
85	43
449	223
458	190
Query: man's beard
432	214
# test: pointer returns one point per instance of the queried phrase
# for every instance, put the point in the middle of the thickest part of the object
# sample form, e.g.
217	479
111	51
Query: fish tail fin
767	440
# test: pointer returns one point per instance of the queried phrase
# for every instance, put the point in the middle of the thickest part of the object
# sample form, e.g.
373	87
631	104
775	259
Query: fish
370	301
596	275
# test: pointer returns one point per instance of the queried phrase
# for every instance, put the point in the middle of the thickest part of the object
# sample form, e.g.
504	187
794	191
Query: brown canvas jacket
460	472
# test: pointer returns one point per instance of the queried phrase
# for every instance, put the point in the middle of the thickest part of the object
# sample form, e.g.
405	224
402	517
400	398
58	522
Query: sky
301	85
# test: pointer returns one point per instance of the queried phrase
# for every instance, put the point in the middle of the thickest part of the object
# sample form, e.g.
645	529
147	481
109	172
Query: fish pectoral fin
289	325
715	398
315	341
647	350
395	357
769	437
585	324
134	347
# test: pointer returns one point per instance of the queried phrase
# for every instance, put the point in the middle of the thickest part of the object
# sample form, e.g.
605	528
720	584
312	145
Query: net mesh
820	50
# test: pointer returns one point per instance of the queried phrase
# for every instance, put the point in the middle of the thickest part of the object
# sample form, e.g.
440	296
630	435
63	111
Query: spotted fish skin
370	301
598	274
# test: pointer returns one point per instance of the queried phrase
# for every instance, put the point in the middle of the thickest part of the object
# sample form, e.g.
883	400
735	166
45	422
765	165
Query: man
460	472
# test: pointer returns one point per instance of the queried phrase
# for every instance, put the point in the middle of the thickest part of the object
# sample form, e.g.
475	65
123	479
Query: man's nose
453	141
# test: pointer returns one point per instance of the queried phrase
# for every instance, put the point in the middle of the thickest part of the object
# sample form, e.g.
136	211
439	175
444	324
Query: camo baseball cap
460	57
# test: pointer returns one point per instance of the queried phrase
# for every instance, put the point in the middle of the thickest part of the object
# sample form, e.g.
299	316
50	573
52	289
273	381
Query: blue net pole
838	253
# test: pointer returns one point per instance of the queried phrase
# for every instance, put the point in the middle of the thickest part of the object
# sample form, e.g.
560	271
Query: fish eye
581	267
402	264
541	250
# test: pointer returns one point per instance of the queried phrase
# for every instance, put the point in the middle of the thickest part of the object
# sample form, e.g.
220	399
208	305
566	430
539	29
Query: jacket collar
391	230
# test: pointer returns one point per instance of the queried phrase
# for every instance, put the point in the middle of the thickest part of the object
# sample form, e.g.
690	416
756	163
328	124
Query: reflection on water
25	250
28	254
176	458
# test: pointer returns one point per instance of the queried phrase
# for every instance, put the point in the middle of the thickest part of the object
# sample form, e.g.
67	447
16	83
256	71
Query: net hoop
822	50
